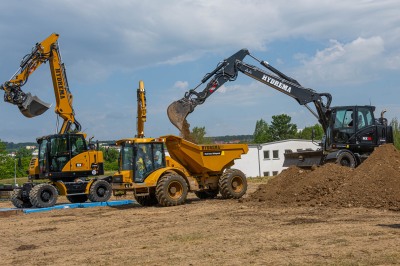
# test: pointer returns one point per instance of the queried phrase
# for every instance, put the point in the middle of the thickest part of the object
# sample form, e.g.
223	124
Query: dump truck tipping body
201	159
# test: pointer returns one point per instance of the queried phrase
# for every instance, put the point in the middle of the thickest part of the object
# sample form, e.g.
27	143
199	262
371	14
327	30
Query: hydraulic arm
31	106
141	109
228	71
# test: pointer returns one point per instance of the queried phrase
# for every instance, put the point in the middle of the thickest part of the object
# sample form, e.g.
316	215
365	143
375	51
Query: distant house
267	159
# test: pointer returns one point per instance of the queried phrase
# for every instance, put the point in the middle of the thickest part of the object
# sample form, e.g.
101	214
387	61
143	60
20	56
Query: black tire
232	184
207	194
149	200
346	159
18	201
171	190
43	195
100	191
77	198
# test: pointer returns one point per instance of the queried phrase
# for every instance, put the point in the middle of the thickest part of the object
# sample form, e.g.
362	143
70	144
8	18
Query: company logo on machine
367	138
277	83
212	153
211	147
60	84
79	165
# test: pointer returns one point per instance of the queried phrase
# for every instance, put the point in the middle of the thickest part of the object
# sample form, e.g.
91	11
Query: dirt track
212	232
330	216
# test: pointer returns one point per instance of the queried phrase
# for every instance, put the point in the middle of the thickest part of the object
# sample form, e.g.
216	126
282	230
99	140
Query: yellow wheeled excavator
71	164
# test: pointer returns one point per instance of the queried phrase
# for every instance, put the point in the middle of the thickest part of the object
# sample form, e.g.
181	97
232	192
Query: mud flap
177	113
33	106
304	159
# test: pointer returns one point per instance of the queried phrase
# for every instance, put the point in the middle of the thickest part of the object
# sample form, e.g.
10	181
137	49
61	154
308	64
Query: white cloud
353	62
182	85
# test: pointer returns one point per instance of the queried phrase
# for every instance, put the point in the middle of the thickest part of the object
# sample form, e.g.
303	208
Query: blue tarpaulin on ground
73	206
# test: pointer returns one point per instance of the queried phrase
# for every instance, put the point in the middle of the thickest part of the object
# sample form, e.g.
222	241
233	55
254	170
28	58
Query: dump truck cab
139	157
155	178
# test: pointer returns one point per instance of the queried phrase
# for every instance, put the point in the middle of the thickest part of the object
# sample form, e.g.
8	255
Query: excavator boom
228	71
31	106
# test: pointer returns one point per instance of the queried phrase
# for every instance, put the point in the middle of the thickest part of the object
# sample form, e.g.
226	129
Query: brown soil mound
374	184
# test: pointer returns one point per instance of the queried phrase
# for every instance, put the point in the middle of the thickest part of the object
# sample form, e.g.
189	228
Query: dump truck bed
200	159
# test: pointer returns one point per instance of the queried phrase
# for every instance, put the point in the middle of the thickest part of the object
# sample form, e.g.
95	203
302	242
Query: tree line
280	128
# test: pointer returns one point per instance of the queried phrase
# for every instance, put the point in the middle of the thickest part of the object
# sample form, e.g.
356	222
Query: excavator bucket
33	106
177	113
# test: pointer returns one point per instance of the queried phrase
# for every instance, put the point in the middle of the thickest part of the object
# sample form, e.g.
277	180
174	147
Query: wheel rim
46	195
345	162
101	191
175	190
237	184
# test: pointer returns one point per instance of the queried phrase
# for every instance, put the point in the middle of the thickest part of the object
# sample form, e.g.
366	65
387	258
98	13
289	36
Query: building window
274	173
275	154
266	173
266	154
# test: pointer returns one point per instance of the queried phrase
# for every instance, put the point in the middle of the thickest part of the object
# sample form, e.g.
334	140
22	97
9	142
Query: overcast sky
347	48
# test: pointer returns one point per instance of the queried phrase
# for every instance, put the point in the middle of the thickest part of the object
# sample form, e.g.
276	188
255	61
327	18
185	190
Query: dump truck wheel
43	195
206	194
18	201
100	191
346	159
171	190
147	200
77	198
232	184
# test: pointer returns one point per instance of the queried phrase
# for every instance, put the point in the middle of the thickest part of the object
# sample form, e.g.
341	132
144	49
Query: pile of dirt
374	184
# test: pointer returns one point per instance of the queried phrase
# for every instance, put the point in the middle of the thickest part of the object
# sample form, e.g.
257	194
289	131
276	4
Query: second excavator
351	132
72	166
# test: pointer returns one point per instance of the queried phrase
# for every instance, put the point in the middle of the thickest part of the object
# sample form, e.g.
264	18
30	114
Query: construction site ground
327	216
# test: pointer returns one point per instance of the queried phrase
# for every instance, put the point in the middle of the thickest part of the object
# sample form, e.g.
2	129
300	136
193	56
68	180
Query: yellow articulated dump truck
155	178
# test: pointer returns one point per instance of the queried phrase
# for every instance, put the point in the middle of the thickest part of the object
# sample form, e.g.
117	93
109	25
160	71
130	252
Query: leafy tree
2	147
23	152
110	159
306	133
198	135
281	128
262	132
396	132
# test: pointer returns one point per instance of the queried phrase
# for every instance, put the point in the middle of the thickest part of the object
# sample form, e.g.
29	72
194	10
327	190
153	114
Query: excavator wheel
77	198
171	190
18	201
232	184
100	191
345	158
207	194
43	195
149	200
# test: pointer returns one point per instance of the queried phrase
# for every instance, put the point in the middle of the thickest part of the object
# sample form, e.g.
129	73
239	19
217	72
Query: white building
267	159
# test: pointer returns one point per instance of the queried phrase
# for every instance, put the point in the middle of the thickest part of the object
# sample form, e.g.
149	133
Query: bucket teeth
32	106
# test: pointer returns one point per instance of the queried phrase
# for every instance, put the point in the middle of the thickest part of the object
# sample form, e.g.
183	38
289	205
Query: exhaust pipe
178	111
32	106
